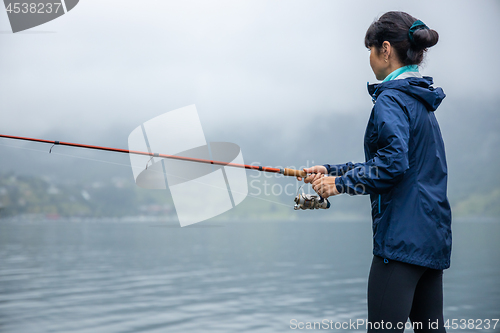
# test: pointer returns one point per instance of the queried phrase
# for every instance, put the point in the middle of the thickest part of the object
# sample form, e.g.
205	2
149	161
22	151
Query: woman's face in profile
378	63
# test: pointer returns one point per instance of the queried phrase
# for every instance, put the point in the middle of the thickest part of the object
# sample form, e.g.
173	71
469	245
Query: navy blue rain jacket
405	174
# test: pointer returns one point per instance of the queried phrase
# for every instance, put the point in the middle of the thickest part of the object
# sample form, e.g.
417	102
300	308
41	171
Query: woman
405	175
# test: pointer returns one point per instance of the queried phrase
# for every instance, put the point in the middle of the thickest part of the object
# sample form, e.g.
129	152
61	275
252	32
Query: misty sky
259	66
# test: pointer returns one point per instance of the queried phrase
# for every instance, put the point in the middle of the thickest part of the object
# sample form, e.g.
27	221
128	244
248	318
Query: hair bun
410	37
425	38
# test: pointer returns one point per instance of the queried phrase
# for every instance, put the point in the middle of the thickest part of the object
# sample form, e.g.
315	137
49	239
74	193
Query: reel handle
294	173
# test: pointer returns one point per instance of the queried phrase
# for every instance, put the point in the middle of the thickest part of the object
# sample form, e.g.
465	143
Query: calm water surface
98	276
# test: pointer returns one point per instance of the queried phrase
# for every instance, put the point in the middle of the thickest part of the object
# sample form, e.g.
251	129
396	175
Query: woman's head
409	45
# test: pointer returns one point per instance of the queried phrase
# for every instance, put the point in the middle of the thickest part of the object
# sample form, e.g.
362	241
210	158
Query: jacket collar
417	87
372	87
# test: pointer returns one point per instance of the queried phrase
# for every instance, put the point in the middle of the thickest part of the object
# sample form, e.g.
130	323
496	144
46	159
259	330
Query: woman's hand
315	172
325	186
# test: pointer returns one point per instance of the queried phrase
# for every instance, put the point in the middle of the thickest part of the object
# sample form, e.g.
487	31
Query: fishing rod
302	200
284	171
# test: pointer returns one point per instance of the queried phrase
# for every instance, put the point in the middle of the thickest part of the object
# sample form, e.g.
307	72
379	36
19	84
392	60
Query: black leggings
398	291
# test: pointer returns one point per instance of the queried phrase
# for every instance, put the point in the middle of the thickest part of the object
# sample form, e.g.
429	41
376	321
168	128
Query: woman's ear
386	50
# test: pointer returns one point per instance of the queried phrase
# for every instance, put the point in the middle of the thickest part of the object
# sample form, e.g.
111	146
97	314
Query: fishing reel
308	201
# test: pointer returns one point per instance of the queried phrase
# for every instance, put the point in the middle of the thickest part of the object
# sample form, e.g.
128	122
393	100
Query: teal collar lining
401	70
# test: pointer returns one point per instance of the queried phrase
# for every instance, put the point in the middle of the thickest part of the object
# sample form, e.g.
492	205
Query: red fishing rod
302	200
285	171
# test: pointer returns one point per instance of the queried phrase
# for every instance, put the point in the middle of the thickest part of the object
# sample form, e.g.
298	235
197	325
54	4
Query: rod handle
294	173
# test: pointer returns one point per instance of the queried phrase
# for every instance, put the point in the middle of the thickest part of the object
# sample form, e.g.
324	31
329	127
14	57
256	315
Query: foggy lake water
216	276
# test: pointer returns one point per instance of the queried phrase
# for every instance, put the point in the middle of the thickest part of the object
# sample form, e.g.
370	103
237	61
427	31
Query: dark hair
394	27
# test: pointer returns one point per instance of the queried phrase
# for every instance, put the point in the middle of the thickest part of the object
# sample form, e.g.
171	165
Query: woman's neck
400	70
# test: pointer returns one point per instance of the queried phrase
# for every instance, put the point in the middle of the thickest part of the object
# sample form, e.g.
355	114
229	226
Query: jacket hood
419	88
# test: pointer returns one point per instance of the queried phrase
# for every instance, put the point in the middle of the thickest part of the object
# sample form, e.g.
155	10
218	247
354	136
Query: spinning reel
308	201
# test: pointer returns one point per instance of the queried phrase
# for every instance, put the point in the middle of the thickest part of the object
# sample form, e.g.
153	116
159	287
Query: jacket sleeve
340	169
390	162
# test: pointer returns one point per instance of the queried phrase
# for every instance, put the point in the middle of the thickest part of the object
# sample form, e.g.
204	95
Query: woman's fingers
316	179
318	169
309	170
325	186
315	169
311	178
318	185
313	173
315	185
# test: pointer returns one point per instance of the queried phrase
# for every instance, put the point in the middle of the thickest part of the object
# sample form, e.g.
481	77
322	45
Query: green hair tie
417	25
